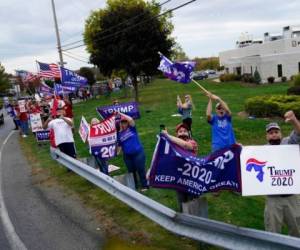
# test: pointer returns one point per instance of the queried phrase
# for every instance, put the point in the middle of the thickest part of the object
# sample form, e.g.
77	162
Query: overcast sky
203	28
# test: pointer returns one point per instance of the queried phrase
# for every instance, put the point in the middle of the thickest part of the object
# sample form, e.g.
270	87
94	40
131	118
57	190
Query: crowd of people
279	209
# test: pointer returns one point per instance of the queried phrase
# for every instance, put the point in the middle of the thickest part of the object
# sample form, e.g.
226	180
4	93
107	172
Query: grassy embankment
158	103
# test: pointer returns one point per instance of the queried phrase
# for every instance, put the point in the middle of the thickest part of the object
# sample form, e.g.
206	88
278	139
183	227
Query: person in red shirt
183	140
68	107
23	118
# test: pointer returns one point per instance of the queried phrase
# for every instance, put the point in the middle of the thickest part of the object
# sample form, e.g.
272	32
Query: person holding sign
280	209
133	152
222	131
62	128
101	163
183	140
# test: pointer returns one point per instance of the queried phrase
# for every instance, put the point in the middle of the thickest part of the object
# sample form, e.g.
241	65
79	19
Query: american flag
30	77
49	70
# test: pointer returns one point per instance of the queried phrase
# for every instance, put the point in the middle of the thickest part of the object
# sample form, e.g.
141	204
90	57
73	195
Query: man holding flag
183	140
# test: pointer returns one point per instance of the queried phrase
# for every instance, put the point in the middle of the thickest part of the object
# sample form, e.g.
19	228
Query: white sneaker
24	136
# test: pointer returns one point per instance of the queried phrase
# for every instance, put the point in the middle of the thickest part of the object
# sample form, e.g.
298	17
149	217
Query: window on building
238	71
299	67
279	70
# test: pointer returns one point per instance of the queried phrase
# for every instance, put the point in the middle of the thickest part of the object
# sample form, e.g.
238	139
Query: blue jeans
102	164
24	127
136	163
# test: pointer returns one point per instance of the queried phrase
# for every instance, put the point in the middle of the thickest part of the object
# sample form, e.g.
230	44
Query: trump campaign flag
176	168
70	78
103	138
45	89
61	89
129	108
178	71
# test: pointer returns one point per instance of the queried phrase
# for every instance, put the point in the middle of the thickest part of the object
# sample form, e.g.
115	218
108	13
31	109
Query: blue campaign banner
70	78
128	108
175	168
61	89
43	135
178	71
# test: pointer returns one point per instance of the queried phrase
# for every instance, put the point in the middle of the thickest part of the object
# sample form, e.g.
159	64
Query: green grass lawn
157	104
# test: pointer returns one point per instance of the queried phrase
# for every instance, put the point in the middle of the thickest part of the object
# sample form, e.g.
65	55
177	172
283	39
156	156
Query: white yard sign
84	129
22	106
268	170
36	122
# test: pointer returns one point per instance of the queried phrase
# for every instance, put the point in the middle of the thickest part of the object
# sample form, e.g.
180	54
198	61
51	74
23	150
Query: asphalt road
34	216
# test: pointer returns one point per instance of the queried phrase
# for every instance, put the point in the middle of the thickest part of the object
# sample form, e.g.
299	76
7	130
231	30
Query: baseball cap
181	125
272	125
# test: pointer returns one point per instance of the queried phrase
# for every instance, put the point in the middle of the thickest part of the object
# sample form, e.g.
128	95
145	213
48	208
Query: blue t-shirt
222	132
129	141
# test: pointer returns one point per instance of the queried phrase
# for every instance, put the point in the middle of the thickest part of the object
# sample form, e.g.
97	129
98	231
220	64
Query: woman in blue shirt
133	152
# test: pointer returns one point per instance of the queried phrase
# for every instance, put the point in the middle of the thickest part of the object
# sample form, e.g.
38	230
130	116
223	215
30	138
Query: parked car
210	72
199	75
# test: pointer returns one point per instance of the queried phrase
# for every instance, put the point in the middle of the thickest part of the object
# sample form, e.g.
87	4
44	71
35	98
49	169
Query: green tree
4	80
256	77
127	35
88	73
178	53
207	63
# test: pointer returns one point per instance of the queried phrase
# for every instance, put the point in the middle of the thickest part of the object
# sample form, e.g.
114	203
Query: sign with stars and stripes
176	168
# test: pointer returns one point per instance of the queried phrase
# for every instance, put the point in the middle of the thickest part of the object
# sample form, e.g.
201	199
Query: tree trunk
136	89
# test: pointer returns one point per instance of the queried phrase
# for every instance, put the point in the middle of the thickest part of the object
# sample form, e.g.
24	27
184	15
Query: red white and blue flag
48	70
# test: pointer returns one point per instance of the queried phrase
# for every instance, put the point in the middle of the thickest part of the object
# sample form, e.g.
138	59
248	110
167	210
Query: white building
276	55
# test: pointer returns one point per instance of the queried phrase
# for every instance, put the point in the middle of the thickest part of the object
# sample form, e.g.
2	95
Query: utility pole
61	61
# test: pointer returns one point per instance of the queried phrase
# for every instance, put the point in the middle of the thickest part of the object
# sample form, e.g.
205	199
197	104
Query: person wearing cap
133	151
101	163
185	109
184	140
280	209
222	131
62	128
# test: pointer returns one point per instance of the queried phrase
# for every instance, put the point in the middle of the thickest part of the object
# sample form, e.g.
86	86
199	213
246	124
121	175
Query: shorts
68	148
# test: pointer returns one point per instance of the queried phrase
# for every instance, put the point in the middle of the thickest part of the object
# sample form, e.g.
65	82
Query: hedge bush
229	77
271	79
270	106
247	78
296	80
294	90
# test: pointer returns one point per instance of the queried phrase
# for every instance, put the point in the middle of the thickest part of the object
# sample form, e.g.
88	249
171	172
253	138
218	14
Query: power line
74	58
117	25
73	54
130	27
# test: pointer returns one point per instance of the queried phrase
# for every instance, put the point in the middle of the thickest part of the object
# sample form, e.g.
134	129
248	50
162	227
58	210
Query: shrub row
229	77
270	106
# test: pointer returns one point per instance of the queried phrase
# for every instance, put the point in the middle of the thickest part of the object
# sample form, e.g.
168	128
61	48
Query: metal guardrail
197	228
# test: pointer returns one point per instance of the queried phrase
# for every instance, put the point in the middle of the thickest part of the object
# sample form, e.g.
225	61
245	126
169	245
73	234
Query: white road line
9	230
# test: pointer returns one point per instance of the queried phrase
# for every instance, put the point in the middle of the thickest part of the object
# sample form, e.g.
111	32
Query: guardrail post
126	179
197	207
